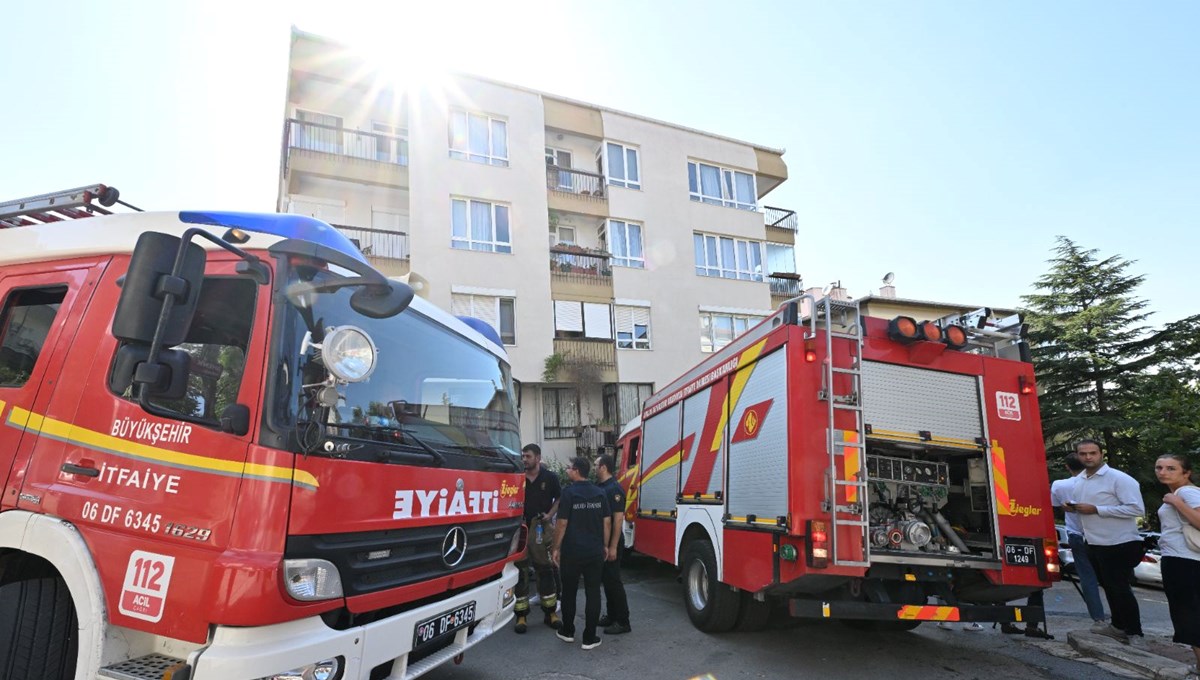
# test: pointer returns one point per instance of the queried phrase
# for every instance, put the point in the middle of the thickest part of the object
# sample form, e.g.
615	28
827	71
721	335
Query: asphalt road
664	644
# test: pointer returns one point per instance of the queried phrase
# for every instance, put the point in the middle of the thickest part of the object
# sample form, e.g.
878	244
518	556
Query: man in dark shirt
542	492
580	545
616	621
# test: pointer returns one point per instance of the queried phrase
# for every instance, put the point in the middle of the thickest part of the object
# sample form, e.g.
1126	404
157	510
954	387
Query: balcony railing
582	353
780	218
576	182
580	264
377	242
785	284
371	146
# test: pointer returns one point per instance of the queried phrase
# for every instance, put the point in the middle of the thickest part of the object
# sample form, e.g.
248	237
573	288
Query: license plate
447	622
1020	554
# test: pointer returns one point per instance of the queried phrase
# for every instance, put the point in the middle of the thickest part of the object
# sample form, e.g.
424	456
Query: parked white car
1149	570
1065	556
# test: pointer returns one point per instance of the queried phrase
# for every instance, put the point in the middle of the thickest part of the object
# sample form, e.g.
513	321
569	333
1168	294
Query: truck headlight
348	353
310	580
329	669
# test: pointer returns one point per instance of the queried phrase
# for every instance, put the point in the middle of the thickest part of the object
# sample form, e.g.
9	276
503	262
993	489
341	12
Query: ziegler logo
507	490
1015	508
444	503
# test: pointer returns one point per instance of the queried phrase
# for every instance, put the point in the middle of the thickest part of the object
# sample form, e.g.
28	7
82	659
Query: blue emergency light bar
289	226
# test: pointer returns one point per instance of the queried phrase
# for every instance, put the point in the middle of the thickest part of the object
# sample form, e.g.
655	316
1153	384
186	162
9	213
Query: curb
1131	658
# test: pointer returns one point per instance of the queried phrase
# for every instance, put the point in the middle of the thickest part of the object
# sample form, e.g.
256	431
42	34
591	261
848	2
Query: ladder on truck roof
832	319
71	204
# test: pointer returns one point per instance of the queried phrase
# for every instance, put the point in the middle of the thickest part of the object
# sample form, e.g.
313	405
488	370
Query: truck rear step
149	667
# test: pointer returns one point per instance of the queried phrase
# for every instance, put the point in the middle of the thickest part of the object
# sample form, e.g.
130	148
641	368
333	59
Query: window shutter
597	320
460	305
486	309
568	316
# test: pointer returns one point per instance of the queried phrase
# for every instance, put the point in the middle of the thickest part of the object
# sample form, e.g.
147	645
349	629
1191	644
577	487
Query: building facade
609	250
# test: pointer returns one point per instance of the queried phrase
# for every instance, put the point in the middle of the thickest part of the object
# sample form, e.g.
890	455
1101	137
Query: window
561	158
317	132
781	258
24	325
497	312
623	401
560	412
478	138
621	166
721	186
574	319
727	258
479	225
625	244
633	327
718	330
392	148
217	342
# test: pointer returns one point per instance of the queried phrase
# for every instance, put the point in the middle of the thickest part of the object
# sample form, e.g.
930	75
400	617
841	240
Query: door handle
73	469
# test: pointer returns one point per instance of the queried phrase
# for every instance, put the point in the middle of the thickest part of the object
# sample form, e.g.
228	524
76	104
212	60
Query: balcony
360	156
387	251
587	361
581	273
784	285
576	191
781	224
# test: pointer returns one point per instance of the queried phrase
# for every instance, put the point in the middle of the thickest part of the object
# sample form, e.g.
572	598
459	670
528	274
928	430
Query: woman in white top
1180	563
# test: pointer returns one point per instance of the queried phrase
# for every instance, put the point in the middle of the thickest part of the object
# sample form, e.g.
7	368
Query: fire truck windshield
434	397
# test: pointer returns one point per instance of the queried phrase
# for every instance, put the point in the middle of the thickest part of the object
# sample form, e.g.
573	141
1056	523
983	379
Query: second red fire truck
883	472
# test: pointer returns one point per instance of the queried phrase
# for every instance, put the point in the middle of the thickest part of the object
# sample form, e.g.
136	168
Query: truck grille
371	561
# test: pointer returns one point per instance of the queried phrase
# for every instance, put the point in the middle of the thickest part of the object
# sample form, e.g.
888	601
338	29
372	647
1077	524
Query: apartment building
611	251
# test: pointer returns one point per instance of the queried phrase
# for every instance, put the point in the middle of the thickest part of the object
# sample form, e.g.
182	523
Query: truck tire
711	605
754	614
39	632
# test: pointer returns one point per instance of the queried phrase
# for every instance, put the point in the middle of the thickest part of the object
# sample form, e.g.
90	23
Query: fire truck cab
883	472
231	448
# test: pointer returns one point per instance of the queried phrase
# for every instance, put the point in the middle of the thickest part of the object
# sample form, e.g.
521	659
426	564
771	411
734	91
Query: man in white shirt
1108	503
1062	491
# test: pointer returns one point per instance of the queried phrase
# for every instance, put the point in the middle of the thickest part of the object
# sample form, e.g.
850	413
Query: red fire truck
231	448
881	472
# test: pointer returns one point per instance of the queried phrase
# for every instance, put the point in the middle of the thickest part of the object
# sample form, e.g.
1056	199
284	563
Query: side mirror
147	283
235	419
167	379
382	301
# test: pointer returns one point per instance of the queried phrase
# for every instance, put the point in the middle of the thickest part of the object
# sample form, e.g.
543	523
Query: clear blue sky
949	142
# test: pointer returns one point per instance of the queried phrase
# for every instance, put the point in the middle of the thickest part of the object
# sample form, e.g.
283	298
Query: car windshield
434	398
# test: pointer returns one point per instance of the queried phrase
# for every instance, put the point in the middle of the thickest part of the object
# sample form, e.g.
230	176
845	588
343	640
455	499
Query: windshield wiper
385	429
500	452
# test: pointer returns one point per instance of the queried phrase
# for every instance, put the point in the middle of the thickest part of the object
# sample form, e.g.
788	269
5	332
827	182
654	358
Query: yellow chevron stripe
70	433
1000	475
747	357
670	462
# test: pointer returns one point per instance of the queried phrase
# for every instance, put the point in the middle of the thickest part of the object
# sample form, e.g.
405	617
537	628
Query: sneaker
605	621
520	627
973	626
1009	629
946	625
552	620
591	643
1111	631
617	629
565	636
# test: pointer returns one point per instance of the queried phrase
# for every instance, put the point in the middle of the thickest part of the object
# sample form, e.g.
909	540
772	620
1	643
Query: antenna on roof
888	278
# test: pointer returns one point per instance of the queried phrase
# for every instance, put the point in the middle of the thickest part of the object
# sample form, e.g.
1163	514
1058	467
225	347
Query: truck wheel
38	628
754	614
711	605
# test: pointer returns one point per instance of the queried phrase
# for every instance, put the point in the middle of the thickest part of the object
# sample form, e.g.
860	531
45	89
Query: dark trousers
590	571
1114	568
614	590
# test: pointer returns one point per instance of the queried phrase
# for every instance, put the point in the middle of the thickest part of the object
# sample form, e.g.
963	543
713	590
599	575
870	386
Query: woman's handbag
1192	535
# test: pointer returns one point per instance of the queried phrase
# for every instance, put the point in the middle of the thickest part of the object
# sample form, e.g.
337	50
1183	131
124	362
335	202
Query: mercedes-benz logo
454	547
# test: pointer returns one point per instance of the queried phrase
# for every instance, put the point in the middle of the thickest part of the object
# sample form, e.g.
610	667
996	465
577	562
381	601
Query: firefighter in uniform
580	545
616	621
542	492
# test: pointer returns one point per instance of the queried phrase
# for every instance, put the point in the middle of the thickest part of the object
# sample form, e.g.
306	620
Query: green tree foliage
1104	373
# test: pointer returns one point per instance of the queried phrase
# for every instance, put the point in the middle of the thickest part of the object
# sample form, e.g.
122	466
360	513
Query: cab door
40	310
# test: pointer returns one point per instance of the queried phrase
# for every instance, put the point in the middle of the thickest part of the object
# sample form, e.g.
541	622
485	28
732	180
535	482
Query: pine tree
1088	335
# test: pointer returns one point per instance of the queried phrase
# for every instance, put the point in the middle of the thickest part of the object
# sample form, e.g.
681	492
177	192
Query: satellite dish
888	278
